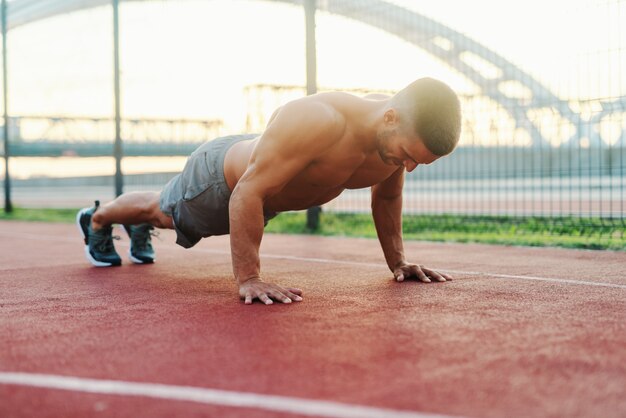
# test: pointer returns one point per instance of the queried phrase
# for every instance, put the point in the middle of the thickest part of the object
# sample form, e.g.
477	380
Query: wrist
394	266
250	279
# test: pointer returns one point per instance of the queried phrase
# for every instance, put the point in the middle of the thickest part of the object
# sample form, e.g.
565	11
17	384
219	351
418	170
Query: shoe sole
87	253
138	261
80	227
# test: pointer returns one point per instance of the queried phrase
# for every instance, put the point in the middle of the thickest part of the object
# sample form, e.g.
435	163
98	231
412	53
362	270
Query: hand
405	270
257	289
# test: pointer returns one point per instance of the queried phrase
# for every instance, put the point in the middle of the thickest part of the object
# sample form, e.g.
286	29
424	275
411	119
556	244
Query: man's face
397	147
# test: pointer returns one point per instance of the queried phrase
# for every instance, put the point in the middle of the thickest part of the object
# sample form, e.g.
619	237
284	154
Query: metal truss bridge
38	136
516	91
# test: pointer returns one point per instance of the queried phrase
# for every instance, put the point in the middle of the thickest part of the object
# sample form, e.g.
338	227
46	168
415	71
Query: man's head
421	124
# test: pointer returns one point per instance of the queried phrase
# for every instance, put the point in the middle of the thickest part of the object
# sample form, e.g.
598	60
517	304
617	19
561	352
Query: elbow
246	194
386	204
385	199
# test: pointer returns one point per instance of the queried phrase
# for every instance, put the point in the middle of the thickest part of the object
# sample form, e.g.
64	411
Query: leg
132	209
139	212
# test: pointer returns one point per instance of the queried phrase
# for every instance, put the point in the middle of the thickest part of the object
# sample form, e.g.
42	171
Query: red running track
519	332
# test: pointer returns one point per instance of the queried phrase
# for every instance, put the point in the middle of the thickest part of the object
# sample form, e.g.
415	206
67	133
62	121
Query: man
312	150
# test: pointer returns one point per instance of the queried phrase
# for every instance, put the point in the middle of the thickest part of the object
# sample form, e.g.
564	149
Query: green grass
567	232
41	215
531	231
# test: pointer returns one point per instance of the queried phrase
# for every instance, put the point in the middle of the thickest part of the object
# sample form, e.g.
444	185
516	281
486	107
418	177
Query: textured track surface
519	332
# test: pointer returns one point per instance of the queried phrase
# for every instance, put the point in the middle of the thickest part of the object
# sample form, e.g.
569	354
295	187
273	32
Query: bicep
268	175
391	187
297	135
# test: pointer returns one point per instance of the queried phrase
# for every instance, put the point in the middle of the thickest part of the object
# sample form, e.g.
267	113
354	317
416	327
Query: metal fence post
8	206
312	214
117	148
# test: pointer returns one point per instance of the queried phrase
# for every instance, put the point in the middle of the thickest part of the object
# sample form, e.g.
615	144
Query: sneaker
141	251
99	248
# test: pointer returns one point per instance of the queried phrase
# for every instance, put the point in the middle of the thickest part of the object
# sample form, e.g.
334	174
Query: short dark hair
434	111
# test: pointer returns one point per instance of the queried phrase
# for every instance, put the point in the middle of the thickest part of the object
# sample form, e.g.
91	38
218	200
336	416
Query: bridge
50	136
517	92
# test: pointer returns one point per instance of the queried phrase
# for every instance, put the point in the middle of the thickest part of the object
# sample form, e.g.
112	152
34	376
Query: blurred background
542	85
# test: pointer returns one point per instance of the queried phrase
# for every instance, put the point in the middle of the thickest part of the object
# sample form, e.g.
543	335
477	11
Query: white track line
350	263
298	406
383	267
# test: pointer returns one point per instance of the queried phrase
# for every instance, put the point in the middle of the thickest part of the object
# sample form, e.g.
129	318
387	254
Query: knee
158	218
161	220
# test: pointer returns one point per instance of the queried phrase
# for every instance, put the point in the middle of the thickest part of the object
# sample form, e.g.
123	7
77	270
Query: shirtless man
312	150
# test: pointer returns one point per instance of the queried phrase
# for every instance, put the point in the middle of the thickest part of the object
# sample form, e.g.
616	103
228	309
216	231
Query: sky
193	58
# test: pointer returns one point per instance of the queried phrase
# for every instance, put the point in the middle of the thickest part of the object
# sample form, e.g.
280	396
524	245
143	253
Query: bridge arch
491	72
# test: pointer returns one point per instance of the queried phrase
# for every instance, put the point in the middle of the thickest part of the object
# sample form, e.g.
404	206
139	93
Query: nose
410	165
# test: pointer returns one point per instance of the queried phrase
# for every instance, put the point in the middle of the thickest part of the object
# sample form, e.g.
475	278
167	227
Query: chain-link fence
544	104
542	90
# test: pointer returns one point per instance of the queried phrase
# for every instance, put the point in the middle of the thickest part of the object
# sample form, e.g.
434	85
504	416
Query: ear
390	117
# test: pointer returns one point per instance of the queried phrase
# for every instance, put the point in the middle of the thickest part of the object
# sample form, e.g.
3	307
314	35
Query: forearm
246	232
387	215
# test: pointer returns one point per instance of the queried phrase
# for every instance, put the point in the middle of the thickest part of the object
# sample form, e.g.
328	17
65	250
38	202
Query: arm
387	213
296	136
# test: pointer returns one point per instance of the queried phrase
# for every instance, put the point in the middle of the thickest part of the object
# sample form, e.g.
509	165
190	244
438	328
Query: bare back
349	161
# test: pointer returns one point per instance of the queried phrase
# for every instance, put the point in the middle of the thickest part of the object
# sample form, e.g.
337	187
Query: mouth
390	160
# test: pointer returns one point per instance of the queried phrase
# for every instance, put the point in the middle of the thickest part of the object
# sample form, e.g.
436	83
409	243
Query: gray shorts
197	199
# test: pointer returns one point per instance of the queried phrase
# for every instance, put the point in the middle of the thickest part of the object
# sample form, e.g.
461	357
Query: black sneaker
141	251
99	248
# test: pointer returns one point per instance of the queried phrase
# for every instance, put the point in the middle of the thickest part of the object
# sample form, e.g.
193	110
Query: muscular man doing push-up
312	149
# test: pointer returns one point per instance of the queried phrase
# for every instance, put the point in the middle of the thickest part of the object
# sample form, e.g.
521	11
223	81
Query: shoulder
315	109
310	117
377	96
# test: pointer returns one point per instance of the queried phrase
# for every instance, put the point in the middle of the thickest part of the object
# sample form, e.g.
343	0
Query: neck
368	117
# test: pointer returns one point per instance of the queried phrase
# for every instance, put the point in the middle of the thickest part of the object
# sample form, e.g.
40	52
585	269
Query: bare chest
326	177
345	171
